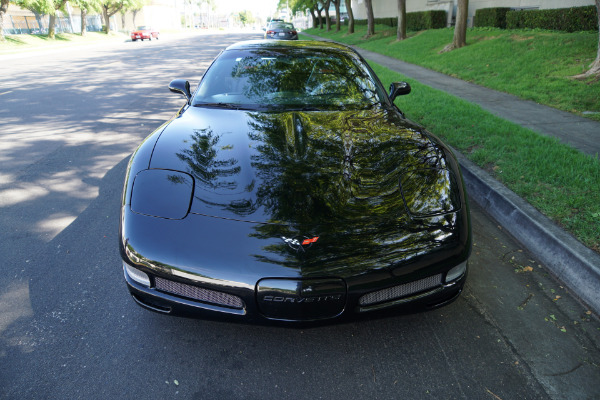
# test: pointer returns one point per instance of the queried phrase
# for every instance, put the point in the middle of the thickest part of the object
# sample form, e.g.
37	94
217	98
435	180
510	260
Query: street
69	329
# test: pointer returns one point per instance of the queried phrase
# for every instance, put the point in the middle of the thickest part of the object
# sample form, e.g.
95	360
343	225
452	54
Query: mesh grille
399	291
198	293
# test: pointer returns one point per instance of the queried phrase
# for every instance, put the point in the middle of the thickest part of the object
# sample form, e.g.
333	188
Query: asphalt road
68	329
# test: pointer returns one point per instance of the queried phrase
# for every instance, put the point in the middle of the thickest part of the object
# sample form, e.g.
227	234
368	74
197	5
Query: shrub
494	17
563	19
418	21
415	21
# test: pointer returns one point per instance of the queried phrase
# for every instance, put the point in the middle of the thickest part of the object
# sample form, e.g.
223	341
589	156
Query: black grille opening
198	293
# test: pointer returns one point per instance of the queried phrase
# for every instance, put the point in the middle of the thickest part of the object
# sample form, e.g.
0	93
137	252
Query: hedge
415	21
564	19
418	21
494	17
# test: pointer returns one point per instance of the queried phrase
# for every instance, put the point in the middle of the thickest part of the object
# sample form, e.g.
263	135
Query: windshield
291	78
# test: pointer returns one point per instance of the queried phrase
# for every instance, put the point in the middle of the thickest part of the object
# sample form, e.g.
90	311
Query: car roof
282	44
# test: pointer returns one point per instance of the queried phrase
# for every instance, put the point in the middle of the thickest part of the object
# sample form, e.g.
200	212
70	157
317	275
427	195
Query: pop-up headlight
162	193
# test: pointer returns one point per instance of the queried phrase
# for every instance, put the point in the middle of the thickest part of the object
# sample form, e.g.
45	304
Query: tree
43	7
55	5
460	28
111	7
594	68
315	19
350	16
319	10
86	6
246	17
336	3
401	34
3	11
315	7
326	5
370	18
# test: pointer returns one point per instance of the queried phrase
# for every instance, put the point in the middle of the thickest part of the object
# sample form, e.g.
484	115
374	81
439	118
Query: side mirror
398	89
181	86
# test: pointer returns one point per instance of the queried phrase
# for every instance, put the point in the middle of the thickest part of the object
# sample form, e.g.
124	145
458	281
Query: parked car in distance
289	188
281	30
144	32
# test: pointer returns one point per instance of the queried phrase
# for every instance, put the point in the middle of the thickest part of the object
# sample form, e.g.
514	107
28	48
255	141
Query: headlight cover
162	193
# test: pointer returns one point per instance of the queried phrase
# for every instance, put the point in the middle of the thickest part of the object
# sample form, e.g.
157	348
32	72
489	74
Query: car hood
372	188
302	168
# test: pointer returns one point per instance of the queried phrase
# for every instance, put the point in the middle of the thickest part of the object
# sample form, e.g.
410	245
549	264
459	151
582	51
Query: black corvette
289	187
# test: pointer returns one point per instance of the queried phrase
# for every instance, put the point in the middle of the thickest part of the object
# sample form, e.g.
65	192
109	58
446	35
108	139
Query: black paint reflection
335	175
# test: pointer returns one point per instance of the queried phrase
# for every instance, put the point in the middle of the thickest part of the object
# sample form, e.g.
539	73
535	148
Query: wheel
133	40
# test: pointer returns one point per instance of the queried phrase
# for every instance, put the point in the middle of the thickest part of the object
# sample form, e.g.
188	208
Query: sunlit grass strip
15	43
558	180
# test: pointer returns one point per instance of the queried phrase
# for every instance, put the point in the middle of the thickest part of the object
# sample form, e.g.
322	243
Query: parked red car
144	32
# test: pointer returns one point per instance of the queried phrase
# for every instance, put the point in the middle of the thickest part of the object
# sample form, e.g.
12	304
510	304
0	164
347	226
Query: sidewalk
577	266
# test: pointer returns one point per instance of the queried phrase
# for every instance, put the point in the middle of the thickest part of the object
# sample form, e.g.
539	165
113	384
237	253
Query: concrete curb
577	266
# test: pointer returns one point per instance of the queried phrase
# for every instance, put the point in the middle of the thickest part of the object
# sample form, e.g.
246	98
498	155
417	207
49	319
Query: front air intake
399	291
198	293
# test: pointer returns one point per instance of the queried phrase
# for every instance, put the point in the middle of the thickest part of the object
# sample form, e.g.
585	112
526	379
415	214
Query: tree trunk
350	16
315	21
401	35
327	17
52	27
594	68
106	18
370	18
3	11
337	15
460	28
83	21
320	18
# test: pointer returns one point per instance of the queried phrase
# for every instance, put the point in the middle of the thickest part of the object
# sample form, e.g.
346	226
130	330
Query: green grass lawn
534	65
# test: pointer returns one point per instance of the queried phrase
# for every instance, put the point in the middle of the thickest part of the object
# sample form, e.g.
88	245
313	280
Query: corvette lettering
291	299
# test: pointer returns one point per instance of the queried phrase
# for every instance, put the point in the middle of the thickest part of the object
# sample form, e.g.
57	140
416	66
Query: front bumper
335	303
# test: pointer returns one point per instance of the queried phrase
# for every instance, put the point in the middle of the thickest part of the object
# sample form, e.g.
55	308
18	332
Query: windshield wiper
305	108
219	105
